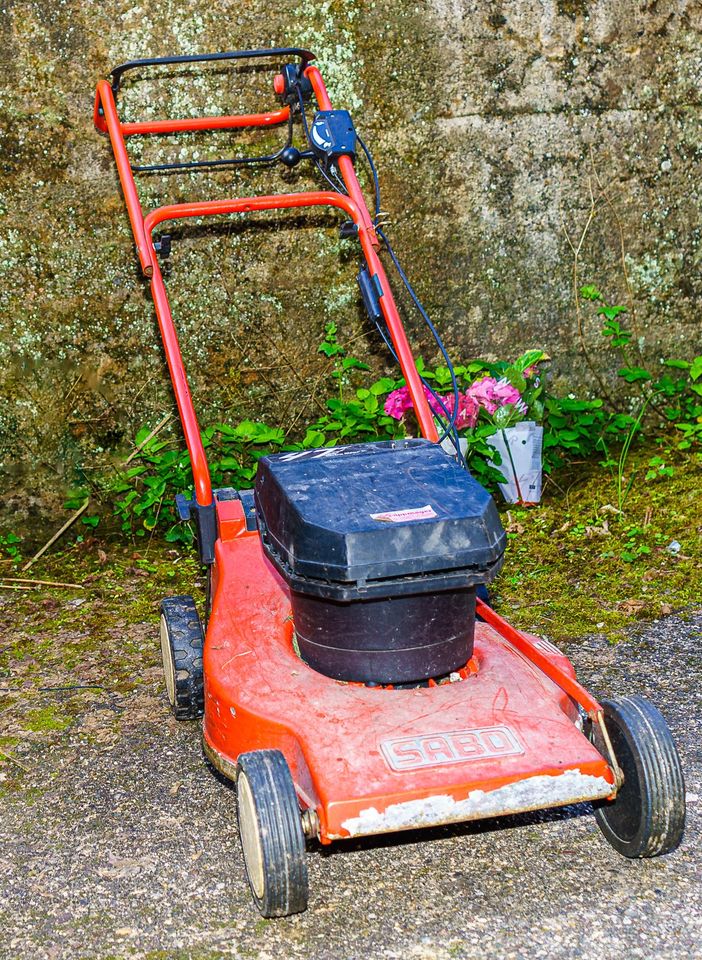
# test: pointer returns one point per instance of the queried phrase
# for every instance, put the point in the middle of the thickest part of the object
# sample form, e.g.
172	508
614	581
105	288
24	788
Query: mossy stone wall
523	147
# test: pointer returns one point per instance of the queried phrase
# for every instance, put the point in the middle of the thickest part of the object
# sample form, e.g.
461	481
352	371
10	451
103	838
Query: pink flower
492	394
468	409
506	393
483	392
398	403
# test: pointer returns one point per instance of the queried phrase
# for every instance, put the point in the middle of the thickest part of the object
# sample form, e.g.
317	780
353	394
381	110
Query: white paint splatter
533	793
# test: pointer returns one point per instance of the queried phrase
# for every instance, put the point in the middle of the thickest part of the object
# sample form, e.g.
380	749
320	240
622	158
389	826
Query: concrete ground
117	840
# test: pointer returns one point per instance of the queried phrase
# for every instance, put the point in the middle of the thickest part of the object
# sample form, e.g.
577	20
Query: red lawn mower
351	680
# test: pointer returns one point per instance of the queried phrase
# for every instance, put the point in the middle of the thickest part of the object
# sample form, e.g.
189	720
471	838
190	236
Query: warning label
402	516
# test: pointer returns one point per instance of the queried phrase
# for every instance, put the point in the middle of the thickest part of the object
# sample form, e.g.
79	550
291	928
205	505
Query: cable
376	182
385	337
451	425
449	428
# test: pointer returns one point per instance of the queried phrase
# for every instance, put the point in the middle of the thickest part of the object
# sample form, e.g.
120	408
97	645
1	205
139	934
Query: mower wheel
182	640
270	827
647	817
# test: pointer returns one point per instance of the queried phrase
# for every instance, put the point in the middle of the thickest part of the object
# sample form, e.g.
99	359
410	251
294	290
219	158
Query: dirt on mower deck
117	839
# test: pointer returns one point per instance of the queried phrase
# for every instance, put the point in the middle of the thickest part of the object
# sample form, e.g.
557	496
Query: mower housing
382	546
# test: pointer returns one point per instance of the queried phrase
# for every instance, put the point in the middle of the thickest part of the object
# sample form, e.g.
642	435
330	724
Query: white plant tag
520	449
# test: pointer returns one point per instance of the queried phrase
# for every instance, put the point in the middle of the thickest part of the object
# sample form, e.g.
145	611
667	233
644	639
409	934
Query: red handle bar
107	121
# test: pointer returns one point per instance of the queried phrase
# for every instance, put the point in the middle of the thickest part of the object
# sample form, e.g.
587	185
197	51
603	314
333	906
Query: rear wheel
270	827
182	641
647	817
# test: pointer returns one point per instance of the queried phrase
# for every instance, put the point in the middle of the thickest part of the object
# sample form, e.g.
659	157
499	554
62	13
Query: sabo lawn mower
351	680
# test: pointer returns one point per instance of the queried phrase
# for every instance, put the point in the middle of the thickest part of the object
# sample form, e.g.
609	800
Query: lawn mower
353	679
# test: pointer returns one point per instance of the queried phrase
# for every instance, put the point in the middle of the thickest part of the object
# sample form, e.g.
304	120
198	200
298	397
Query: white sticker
400	516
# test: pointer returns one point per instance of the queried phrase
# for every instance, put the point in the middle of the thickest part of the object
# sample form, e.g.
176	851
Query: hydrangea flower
489	394
398	403
492	394
468	410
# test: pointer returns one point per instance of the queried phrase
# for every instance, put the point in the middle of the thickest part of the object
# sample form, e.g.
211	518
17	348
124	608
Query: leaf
351	363
610	312
634	374
90	521
528	359
696	368
590	292
384	385
329	349
229	463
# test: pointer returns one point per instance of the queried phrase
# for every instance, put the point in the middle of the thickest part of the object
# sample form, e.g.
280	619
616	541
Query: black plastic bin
382	545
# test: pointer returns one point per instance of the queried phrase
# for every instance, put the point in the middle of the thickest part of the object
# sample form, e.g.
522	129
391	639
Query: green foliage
675	394
9	545
331	347
479	453
575	430
145	492
658	469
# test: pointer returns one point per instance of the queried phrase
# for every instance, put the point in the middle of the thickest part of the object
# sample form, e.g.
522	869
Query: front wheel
270	827
647	817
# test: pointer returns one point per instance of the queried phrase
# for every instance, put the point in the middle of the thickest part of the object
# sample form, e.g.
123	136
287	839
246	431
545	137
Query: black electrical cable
449	428
376	182
427	320
387	340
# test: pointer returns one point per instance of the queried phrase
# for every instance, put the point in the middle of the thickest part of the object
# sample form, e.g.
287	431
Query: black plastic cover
332	134
365	513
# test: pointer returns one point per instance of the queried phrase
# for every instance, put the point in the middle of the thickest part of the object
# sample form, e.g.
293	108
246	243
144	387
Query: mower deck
503	738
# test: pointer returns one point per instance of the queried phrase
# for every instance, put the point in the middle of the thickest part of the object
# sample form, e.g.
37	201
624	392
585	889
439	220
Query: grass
576	565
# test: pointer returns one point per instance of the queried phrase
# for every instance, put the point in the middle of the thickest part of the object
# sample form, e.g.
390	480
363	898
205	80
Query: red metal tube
369	242
281	201
401	344
206	123
124	169
345	164
186	410
325	198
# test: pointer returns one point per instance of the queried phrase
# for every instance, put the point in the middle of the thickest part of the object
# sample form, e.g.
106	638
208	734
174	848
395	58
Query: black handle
305	55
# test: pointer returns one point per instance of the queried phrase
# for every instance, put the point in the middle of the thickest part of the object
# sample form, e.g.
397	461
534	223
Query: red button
279	84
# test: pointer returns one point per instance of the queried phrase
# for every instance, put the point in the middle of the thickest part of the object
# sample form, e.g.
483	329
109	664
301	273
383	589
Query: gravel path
120	842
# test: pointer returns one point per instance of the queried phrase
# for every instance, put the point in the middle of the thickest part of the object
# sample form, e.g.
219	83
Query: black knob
290	156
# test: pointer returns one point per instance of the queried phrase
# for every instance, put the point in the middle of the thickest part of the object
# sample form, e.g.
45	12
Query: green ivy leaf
634	374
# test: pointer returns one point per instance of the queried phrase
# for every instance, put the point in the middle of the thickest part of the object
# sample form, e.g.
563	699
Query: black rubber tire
270	828
647	817
182	641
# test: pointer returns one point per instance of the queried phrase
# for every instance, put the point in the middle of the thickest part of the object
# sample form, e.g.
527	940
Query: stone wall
509	136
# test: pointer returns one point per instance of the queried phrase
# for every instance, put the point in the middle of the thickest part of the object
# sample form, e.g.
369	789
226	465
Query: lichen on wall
507	135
